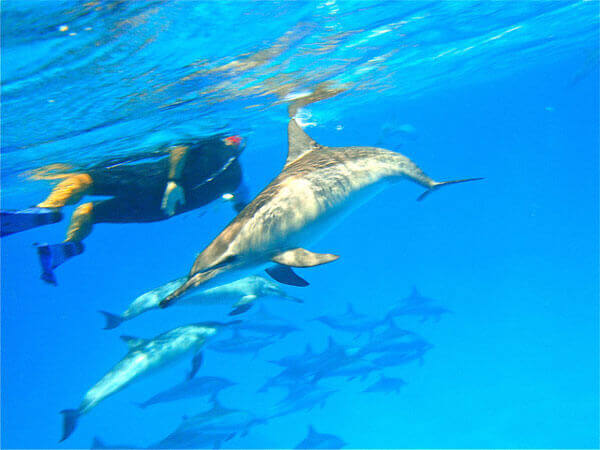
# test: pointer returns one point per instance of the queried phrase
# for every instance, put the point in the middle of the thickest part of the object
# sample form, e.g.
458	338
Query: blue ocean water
502	90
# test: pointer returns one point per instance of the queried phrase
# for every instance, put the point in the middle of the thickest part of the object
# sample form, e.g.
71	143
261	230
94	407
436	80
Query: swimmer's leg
52	256
67	192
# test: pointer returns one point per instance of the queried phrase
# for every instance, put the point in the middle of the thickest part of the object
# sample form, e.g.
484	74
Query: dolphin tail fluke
112	320
436	186
70	417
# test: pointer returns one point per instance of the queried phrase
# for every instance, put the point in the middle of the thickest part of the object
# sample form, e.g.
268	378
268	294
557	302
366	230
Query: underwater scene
321	224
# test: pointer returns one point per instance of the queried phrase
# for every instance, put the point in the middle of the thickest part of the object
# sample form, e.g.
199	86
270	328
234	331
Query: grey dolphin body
302	398
315	439
417	305
211	428
144	357
243	292
196	387
317	188
98	443
386	385
239	343
266	323
351	321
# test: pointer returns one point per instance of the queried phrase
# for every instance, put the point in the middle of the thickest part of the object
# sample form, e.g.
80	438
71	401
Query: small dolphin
404	344
318	365
242	344
351	321
98	443
320	440
196	387
295	360
423	311
287	379
265	323
417	305
415	298
317	188
354	368
399	356
386	385
210	429
393	332
144	357
245	292
304	398
189	433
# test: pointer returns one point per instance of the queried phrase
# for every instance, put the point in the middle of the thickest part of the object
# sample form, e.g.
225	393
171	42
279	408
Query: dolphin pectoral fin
300	257
285	275
133	342
196	363
243	305
240	309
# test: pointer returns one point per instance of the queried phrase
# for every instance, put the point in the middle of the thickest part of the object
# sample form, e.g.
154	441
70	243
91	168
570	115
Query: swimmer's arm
174	192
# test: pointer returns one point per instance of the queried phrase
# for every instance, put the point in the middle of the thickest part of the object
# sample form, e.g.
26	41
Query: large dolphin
243	292
317	187
144	357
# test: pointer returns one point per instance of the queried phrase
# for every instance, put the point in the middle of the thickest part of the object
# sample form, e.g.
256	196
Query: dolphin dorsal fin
217	407
299	143
133	342
312	431
414	293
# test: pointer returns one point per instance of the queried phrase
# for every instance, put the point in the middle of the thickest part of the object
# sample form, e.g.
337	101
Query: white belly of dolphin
331	218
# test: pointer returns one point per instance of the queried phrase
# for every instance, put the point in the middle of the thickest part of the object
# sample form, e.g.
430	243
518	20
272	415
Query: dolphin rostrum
317	187
144	356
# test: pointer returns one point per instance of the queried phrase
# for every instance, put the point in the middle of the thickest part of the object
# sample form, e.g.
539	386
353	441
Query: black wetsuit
138	186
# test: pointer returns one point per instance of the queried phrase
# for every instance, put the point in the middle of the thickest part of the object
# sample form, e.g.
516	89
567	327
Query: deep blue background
515	257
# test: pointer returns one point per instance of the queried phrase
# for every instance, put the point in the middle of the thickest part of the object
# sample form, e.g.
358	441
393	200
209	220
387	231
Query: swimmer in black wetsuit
146	189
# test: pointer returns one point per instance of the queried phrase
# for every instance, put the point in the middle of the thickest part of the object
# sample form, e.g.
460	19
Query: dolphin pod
317	188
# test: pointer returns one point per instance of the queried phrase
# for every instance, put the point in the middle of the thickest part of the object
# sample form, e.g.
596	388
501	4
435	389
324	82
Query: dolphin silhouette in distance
315	439
317	188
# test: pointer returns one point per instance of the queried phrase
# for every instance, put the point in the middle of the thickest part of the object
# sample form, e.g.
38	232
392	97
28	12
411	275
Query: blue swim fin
16	221
52	256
